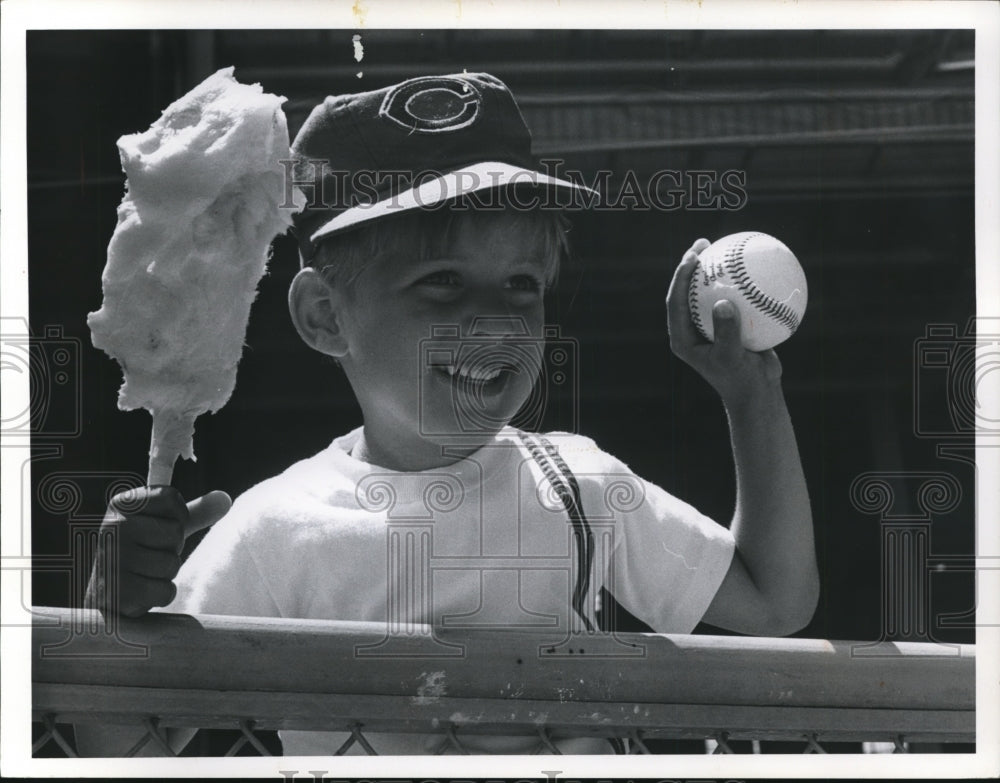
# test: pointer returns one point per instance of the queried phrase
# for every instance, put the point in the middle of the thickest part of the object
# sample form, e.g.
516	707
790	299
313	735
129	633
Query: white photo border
18	16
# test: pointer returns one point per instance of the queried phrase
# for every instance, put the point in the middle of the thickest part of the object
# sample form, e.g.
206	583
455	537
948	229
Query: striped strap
563	481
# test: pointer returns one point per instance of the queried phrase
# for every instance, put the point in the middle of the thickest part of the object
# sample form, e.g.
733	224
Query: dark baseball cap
417	144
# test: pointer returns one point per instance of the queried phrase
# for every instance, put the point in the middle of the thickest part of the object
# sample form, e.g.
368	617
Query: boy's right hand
151	525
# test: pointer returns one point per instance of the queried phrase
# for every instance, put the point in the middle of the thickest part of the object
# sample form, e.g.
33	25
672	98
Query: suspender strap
563	481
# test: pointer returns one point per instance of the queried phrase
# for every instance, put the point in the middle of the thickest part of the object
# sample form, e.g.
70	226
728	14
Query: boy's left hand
731	369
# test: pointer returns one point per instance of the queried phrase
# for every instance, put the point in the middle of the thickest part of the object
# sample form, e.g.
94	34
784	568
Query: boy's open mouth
478	377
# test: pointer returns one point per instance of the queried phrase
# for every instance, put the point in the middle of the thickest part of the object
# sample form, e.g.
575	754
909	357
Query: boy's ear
313	307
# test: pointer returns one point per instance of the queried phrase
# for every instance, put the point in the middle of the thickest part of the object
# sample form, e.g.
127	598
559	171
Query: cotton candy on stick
204	198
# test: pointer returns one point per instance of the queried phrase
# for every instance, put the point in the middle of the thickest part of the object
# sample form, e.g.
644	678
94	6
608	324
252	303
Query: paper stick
161	469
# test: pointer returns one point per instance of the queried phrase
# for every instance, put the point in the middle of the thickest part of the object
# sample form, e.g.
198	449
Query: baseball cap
416	144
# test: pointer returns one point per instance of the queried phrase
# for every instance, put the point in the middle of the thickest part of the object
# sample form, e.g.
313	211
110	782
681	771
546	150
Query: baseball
763	280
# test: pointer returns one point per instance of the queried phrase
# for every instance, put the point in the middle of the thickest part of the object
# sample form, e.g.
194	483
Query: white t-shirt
495	548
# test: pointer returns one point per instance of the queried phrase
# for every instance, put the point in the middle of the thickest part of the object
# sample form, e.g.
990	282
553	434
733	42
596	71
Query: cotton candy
205	196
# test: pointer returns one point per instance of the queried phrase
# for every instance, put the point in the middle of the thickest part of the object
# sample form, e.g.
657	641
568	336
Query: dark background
858	151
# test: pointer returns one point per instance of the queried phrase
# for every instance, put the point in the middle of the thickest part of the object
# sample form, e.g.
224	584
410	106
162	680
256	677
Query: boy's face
486	286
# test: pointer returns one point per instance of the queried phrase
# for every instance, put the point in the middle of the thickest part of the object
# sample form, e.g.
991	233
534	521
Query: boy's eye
526	283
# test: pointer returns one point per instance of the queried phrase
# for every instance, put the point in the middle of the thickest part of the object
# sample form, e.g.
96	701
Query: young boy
427	248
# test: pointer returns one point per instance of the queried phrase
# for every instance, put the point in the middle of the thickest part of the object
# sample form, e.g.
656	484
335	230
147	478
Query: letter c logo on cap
432	104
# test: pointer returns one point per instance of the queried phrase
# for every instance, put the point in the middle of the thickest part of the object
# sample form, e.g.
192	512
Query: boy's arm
772	586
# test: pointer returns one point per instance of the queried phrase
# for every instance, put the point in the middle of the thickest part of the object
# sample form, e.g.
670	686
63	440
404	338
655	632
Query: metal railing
260	674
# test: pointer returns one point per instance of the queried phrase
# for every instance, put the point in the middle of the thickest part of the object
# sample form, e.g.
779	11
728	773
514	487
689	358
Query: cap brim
436	189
